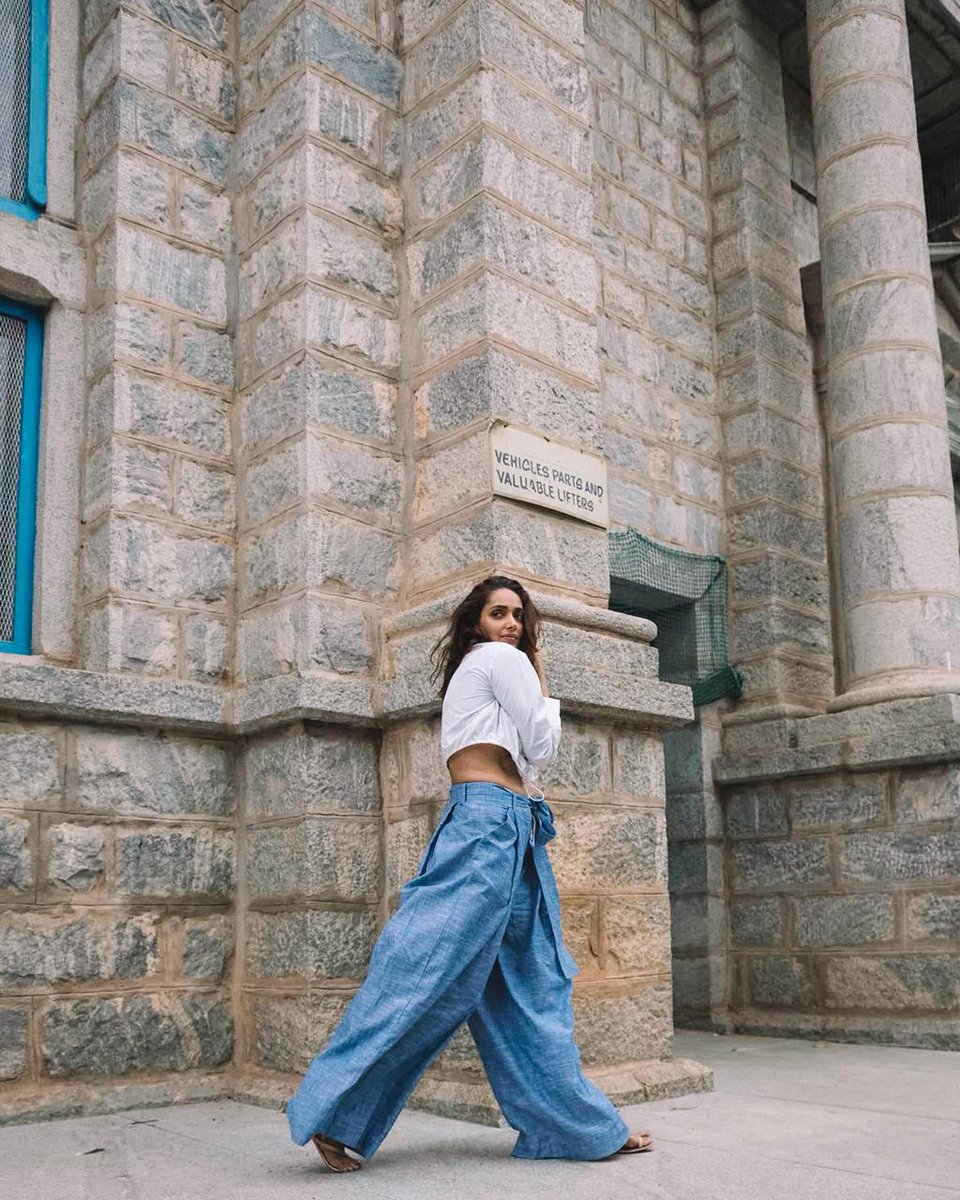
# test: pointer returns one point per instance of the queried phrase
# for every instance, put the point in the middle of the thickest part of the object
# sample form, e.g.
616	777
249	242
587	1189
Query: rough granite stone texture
582	767
13	1042
175	862
756	812
757	922
765	865
327	769
857	800
405	842
303	634
934	915
317	392
207	947
37	950
29	766
888	856
600	849
932	795
117	1036
779	982
327	858
894	982
637	934
694	866
290	1030
309	945
151	775
843	920
623	1028
16	859
76	860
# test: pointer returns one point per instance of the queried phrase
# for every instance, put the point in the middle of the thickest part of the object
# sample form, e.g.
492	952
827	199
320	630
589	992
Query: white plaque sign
527	466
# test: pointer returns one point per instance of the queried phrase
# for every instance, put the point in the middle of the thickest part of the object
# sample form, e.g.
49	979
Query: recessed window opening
686	595
23	106
21	347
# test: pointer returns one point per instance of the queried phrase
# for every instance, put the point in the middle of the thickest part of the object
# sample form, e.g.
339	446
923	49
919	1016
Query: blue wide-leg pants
476	938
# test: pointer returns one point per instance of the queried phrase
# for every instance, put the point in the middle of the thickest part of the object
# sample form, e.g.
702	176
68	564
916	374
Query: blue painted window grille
23	106
21	353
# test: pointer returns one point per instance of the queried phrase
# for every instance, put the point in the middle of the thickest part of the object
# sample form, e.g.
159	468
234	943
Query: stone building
272	277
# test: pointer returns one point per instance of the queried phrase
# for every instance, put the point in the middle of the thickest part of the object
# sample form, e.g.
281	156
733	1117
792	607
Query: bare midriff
485	762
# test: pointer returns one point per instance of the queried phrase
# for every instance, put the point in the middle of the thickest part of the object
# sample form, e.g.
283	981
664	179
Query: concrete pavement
788	1120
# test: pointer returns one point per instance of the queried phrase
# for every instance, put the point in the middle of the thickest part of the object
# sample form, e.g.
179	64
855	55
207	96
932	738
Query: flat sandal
324	1146
642	1148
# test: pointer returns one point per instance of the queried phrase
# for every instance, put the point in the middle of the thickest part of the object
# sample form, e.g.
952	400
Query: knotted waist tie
541	832
542	829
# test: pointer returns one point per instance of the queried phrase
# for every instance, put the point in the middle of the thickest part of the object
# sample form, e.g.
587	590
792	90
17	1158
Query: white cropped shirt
495	697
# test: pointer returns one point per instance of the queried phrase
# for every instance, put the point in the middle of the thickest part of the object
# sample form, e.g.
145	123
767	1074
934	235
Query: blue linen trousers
476	938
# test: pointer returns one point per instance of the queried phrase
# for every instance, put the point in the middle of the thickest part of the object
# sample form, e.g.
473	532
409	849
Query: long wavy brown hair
462	632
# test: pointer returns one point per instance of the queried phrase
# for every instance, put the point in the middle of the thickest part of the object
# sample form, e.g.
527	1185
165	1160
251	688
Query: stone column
318	217
776	547
158	485
896	526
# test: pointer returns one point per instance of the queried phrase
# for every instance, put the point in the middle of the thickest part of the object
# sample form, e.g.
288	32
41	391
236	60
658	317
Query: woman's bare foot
636	1143
334	1155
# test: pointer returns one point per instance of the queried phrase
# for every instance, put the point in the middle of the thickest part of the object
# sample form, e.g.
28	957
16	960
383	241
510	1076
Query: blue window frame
23	106
21	356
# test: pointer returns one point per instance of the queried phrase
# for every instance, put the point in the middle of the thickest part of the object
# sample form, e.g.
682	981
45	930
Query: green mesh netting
686	595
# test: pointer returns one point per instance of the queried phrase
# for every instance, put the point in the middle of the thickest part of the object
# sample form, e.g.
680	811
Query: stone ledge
263	1088
646	703
464	1100
32	1103
338	699
898	733
601	664
630	1083
460	1100
560	608
653	1079
41	689
924	1033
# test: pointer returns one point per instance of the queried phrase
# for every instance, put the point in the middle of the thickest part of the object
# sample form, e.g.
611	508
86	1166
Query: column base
907	687
470	1099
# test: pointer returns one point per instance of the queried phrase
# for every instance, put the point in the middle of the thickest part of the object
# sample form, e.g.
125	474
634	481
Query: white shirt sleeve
517	689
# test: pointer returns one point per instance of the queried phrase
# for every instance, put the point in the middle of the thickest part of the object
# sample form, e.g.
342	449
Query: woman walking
477	936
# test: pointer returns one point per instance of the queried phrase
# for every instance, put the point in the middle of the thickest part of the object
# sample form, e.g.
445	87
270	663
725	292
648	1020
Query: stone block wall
776	543
315	250
698	901
158	497
312	889
318	215
661	434
842	860
610	862
502	284
117	877
318	248
335	825
661	428
845	907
